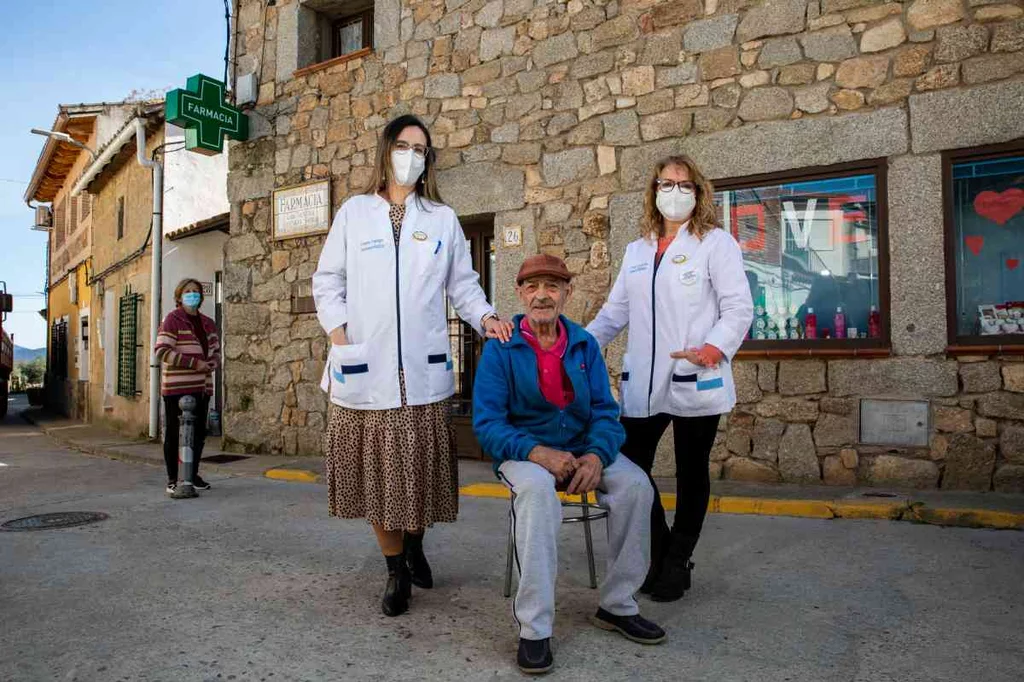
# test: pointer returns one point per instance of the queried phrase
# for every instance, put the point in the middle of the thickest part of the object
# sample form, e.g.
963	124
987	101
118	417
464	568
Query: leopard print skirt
396	468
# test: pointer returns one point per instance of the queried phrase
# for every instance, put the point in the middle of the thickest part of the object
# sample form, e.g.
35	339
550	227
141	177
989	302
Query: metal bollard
186	439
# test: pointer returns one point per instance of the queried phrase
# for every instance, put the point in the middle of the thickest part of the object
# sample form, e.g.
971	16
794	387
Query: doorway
466	344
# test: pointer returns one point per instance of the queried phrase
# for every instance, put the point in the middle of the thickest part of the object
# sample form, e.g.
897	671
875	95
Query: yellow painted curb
892	511
300	475
813	509
967	518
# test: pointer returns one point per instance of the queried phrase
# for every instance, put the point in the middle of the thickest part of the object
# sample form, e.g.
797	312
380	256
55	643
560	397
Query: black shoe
636	628
673	581
534	657
419	569
199	484
398	588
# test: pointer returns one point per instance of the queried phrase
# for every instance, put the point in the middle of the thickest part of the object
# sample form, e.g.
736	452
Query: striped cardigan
180	352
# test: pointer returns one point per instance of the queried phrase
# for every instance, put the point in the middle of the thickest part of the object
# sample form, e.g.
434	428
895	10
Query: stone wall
549	114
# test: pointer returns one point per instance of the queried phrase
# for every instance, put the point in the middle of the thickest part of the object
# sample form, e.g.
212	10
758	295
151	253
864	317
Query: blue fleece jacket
511	415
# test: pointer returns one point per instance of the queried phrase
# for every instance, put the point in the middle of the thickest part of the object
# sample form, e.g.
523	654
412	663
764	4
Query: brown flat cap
543	264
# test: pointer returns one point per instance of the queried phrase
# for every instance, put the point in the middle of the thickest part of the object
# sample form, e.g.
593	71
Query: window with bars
59	349
84	206
466	345
127	344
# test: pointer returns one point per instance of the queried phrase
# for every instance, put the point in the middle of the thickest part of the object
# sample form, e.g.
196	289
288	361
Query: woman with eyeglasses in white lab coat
393	256
683	294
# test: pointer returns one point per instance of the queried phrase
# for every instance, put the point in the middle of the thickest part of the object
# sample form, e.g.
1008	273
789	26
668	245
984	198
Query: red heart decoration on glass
974	243
999	207
1012	263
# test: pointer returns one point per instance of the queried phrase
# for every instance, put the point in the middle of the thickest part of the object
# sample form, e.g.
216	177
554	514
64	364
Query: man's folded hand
587	476
561	464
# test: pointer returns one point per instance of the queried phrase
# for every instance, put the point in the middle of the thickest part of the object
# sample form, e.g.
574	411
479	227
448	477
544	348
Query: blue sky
66	52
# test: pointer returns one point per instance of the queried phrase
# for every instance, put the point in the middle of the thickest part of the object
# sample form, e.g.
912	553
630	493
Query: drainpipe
156	277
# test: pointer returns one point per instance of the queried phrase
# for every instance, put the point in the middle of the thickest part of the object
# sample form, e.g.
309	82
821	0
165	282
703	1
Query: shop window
815	253
984	195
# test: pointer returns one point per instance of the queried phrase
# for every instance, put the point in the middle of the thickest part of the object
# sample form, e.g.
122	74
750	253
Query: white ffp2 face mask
407	167
676	205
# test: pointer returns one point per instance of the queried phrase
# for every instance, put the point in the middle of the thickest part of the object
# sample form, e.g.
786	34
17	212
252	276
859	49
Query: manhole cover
55	520
224	459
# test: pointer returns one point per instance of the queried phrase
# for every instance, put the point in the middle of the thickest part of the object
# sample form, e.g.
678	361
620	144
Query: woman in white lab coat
683	293
393	257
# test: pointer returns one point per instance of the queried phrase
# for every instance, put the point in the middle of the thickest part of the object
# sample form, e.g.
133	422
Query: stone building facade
548	117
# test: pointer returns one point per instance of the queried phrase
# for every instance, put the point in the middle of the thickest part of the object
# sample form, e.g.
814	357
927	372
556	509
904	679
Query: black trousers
694	438
171	433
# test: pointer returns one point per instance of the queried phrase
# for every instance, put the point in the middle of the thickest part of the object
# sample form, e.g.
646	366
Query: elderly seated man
543	409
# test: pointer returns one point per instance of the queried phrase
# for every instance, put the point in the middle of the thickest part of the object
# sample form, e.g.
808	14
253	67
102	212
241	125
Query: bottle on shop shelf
839	323
793	322
874	323
810	324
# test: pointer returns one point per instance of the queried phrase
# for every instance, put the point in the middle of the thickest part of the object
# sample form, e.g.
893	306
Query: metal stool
590	512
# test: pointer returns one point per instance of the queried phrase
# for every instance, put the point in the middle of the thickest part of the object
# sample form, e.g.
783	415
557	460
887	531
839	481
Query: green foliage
28	374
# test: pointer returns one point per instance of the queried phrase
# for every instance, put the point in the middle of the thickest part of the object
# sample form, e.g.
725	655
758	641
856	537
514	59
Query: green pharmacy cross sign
201	110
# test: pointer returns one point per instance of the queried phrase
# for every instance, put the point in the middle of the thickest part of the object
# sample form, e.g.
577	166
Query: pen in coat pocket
438	247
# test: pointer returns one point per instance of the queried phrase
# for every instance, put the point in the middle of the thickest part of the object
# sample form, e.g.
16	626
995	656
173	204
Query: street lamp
63	137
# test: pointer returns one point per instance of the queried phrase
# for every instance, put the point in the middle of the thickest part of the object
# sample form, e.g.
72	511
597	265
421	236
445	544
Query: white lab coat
699	295
393	304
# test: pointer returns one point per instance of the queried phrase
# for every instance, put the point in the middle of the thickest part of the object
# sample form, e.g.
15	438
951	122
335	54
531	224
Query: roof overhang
57	158
119	150
218	222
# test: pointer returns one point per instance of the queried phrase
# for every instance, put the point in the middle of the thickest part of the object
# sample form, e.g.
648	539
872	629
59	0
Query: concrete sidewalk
944	508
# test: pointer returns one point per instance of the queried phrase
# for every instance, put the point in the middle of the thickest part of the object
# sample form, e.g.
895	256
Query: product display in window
1007	318
810	250
988	242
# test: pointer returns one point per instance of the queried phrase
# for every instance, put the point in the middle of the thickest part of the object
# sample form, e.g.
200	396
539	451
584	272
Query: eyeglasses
666	185
417	149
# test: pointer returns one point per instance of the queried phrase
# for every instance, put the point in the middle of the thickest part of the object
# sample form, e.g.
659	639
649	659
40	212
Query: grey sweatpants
536	517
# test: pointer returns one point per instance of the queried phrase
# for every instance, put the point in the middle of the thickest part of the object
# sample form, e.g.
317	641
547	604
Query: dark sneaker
636	628
534	657
171	486
199	484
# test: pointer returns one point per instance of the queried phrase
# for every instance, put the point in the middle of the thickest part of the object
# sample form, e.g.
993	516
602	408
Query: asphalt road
253	581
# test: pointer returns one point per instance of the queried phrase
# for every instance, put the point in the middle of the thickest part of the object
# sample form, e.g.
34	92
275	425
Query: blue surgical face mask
192	299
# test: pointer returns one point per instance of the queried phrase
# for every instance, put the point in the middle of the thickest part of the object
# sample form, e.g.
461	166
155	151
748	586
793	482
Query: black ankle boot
674	577
398	588
419	569
659	548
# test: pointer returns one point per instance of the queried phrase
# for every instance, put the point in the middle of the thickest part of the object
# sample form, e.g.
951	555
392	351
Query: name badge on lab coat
688	277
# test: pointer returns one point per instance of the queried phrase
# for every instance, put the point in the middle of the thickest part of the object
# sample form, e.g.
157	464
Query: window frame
367	18
969	343
881	346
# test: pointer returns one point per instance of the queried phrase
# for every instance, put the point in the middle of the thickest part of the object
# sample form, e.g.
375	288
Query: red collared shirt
554	382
